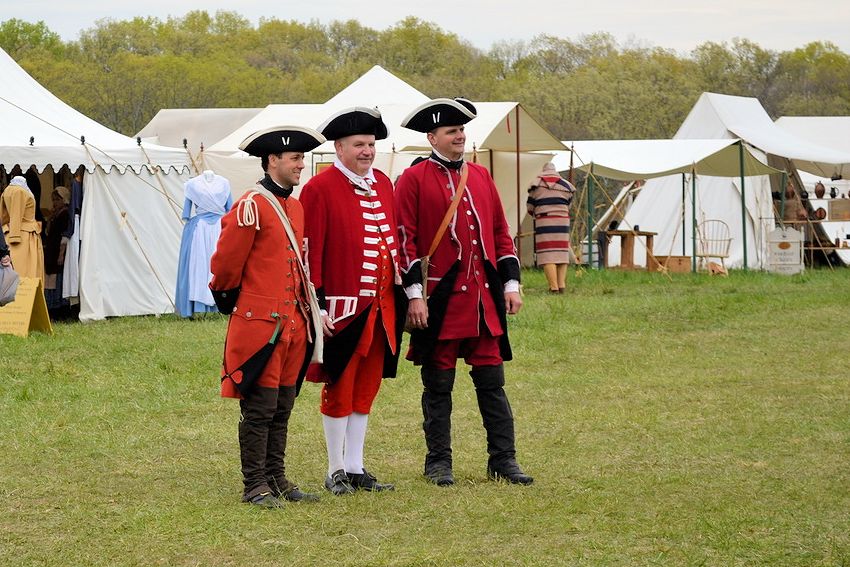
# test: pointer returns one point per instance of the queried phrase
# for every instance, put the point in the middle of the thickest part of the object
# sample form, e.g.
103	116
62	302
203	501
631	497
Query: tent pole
694	219
518	196
743	201
684	213
782	206
590	218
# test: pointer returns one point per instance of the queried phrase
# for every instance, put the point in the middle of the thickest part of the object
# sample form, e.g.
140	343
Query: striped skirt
552	239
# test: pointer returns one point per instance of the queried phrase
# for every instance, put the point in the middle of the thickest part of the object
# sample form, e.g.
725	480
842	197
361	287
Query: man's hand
417	313
6	261
327	326
513	302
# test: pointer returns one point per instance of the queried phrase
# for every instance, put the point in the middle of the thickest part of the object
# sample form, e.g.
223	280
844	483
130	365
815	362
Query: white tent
133	196
723	117
832	132
652	159
503	137
198	127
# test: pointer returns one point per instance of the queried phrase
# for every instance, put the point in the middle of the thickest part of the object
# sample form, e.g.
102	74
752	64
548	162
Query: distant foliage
121	72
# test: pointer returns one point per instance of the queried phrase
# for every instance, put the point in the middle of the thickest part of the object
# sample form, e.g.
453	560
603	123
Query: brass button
248	314
463	288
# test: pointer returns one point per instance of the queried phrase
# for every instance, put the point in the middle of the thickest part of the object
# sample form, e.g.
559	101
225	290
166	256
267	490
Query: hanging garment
208	198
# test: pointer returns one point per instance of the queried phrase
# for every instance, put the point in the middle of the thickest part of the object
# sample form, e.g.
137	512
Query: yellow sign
28	312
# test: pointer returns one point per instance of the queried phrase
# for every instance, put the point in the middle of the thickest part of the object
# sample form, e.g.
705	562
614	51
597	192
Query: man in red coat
259	281
473	281
352	251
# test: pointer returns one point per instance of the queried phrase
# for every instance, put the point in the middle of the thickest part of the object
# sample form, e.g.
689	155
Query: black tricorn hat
279	139
352	121
440	112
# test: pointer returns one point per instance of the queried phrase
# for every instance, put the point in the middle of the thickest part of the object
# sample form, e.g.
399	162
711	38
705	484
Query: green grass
698	421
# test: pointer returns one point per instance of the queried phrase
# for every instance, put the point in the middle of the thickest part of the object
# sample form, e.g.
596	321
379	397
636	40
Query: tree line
121	72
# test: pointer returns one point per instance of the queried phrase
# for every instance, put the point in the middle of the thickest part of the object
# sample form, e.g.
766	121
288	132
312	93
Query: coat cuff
225	299
508	267
413	275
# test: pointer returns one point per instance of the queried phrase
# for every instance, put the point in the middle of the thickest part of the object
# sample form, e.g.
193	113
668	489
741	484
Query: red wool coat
258	258
463	276
347	232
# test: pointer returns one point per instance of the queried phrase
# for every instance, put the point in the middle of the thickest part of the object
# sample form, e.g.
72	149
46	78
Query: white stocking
335	428
355	438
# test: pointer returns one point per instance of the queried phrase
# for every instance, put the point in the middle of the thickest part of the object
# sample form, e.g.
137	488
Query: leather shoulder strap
461	187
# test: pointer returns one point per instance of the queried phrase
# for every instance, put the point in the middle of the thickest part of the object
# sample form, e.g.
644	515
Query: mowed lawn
692	421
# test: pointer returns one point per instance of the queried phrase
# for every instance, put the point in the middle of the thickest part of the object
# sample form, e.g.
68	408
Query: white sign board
785	251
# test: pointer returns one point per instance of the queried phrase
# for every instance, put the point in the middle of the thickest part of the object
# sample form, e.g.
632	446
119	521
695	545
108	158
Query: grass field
698	421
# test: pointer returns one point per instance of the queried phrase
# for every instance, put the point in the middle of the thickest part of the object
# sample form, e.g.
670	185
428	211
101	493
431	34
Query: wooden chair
713	241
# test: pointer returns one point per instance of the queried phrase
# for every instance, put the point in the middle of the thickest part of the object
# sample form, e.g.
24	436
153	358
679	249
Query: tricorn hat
278	139
352	121
440	112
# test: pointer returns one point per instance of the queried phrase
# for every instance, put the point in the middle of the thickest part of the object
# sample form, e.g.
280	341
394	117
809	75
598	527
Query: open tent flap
130	239
666	206
627	160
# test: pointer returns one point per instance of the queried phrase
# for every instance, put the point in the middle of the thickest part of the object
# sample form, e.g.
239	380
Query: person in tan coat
22	231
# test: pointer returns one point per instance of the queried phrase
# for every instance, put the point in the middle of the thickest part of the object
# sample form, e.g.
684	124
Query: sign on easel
785	251
28	312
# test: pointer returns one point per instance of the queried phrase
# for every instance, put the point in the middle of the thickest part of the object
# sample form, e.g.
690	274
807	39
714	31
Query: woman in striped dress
549	202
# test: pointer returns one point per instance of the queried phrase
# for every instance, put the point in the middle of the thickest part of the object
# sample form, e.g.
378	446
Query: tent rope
156	169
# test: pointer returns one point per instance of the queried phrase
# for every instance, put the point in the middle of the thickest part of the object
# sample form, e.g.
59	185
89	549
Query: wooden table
627	247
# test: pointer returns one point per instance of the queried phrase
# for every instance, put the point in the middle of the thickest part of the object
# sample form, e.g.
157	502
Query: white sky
676	24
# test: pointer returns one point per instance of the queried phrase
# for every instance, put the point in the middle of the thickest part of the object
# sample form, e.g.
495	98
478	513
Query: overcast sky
677	24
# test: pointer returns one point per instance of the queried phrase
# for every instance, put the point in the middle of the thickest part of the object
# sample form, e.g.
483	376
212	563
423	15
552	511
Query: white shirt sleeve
414	291
512	286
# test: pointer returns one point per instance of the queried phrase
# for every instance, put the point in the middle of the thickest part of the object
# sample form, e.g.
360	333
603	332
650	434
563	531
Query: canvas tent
131	225
834	133
626	160
503	138
199	127
724	117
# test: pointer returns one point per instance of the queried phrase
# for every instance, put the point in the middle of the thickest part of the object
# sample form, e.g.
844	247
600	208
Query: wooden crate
677	264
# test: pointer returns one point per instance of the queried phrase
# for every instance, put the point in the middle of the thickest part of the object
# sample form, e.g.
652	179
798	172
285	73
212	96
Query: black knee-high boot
257	413
437	423
498	421
276	444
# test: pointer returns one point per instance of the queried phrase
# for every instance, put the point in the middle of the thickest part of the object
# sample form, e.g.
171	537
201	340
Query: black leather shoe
367	481
511	473
264	500
295	495
338	483
441	476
